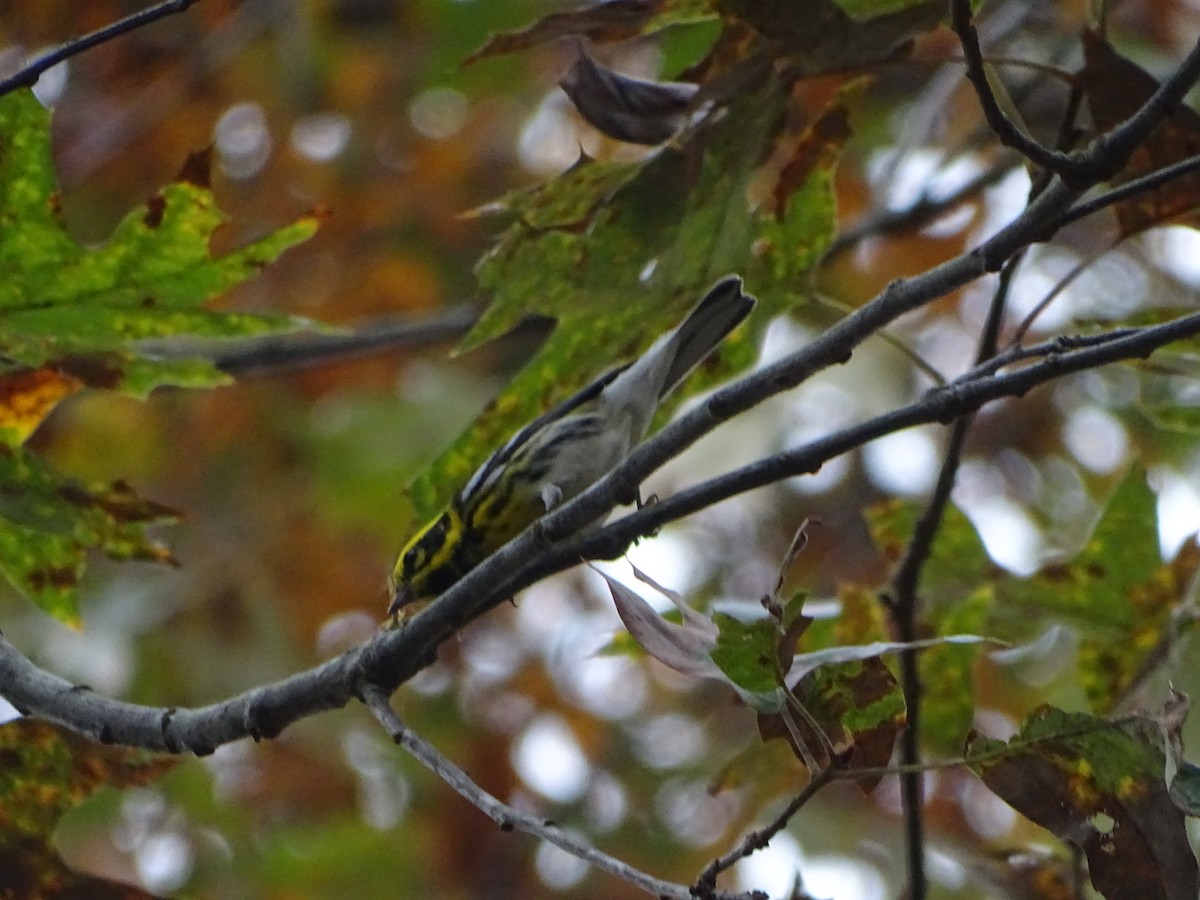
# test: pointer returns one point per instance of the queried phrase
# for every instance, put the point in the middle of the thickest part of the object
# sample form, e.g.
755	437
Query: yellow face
432	561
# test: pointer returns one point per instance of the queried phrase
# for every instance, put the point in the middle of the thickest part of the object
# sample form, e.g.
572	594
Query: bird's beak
400	599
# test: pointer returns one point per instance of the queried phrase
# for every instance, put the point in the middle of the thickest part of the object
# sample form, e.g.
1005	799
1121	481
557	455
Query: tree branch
1108	153
1002	126
508	817
29	74
289	352
905	600
1147	182
705	888
393	656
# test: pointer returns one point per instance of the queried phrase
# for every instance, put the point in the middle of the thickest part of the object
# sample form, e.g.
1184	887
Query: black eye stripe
427	547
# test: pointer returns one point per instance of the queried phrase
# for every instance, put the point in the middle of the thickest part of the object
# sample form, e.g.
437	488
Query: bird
561	453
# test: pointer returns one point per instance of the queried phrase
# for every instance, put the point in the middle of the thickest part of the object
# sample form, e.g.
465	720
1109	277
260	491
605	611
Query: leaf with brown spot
49	523
1098	785
816	151
615	20
27	397
89	310
858	706
44	772
1115	590
197	169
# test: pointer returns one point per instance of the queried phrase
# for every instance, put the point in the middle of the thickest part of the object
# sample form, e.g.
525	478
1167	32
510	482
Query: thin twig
1003	127
1061	285
508	817
1129	189
289	352
1104	156
705	886
924	210
1058	344
29	74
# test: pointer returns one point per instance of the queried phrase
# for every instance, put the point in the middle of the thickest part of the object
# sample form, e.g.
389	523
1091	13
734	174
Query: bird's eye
412	561
425	546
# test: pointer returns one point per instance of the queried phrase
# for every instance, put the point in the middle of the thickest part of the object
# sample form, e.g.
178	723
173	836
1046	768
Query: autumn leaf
1116	88
72	316
1099	785
49	523
46	772
27	397
86	312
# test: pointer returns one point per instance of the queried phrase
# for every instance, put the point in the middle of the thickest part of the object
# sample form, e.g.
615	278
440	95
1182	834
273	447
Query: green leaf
1116	590
947	671
83	310
746	653
47	525
957	560
617	254
72	316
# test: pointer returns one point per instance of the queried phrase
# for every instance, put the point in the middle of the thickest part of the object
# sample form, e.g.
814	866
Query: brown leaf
857	705
26	398
1115	89
1100	786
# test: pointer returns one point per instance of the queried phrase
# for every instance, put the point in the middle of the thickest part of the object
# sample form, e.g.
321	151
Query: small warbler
561	453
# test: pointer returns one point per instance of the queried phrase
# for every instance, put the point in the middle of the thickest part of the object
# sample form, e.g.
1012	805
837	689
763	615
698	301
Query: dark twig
289	352
29	74
906	595
706	884
508	817
920	213
1104	156
1061	285
1003	127
1129	189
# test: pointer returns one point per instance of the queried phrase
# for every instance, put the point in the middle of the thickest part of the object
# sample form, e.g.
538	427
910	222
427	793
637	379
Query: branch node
255	718
170	743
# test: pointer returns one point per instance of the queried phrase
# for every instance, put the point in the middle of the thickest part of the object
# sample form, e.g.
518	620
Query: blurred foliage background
293	483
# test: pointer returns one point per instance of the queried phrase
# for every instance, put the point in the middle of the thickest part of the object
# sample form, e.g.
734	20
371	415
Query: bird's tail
721	310
636	390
